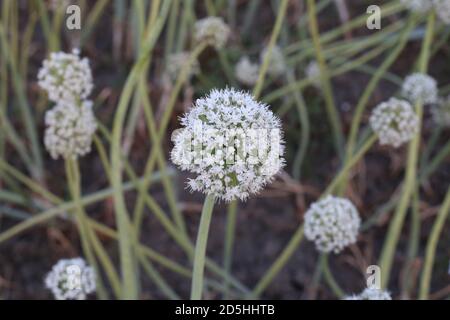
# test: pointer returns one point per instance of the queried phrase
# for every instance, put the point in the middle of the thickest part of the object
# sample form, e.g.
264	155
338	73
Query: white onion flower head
71	279
332	224
419	86
232	143
70	129
313	73
371	294
177	61
246	71
394	122
441	112
442	8
277	65
213	30
421	6
65	76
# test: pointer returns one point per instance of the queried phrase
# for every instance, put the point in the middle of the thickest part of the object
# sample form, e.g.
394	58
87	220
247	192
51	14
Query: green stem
343	173
395	227
273	38
362	103
73	178
130	286
332	112
200	248
431	247
229	241
279	263
329	277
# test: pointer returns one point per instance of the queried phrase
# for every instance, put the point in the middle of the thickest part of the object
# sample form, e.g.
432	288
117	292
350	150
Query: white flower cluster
441	112
277	63
313	73
418	5
71	279
213	30
69	129
370	294
442	8
177	61
66	77
394	122
71	123
332	223
231	142
419	86
246	71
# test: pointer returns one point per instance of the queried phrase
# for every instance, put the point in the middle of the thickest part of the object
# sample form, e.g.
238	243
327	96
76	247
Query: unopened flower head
371	294
313	73
70	129
71	279
246	71
421	6
332	223
66	77
177	61
394	122
441	112
231	142
213	30
277	65
442	8
420	87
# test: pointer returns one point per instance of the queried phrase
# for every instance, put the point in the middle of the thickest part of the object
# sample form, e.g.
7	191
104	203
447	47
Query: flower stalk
200	248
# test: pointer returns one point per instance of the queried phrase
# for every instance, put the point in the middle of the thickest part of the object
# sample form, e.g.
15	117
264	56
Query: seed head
71	279
277	65
370	294
421	6
66	77
332	223
177	61
247	72
441	112
213	30
69	129
442	8
395	122
419	86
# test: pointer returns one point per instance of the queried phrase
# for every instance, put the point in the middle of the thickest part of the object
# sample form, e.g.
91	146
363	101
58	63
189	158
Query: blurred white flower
69	129
55	5
66	77
231	142
246	71
332	223
177	61
419	86
213	30
313	73
277	65
371	294
71	279
394	122
441	112
421	6
442	8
